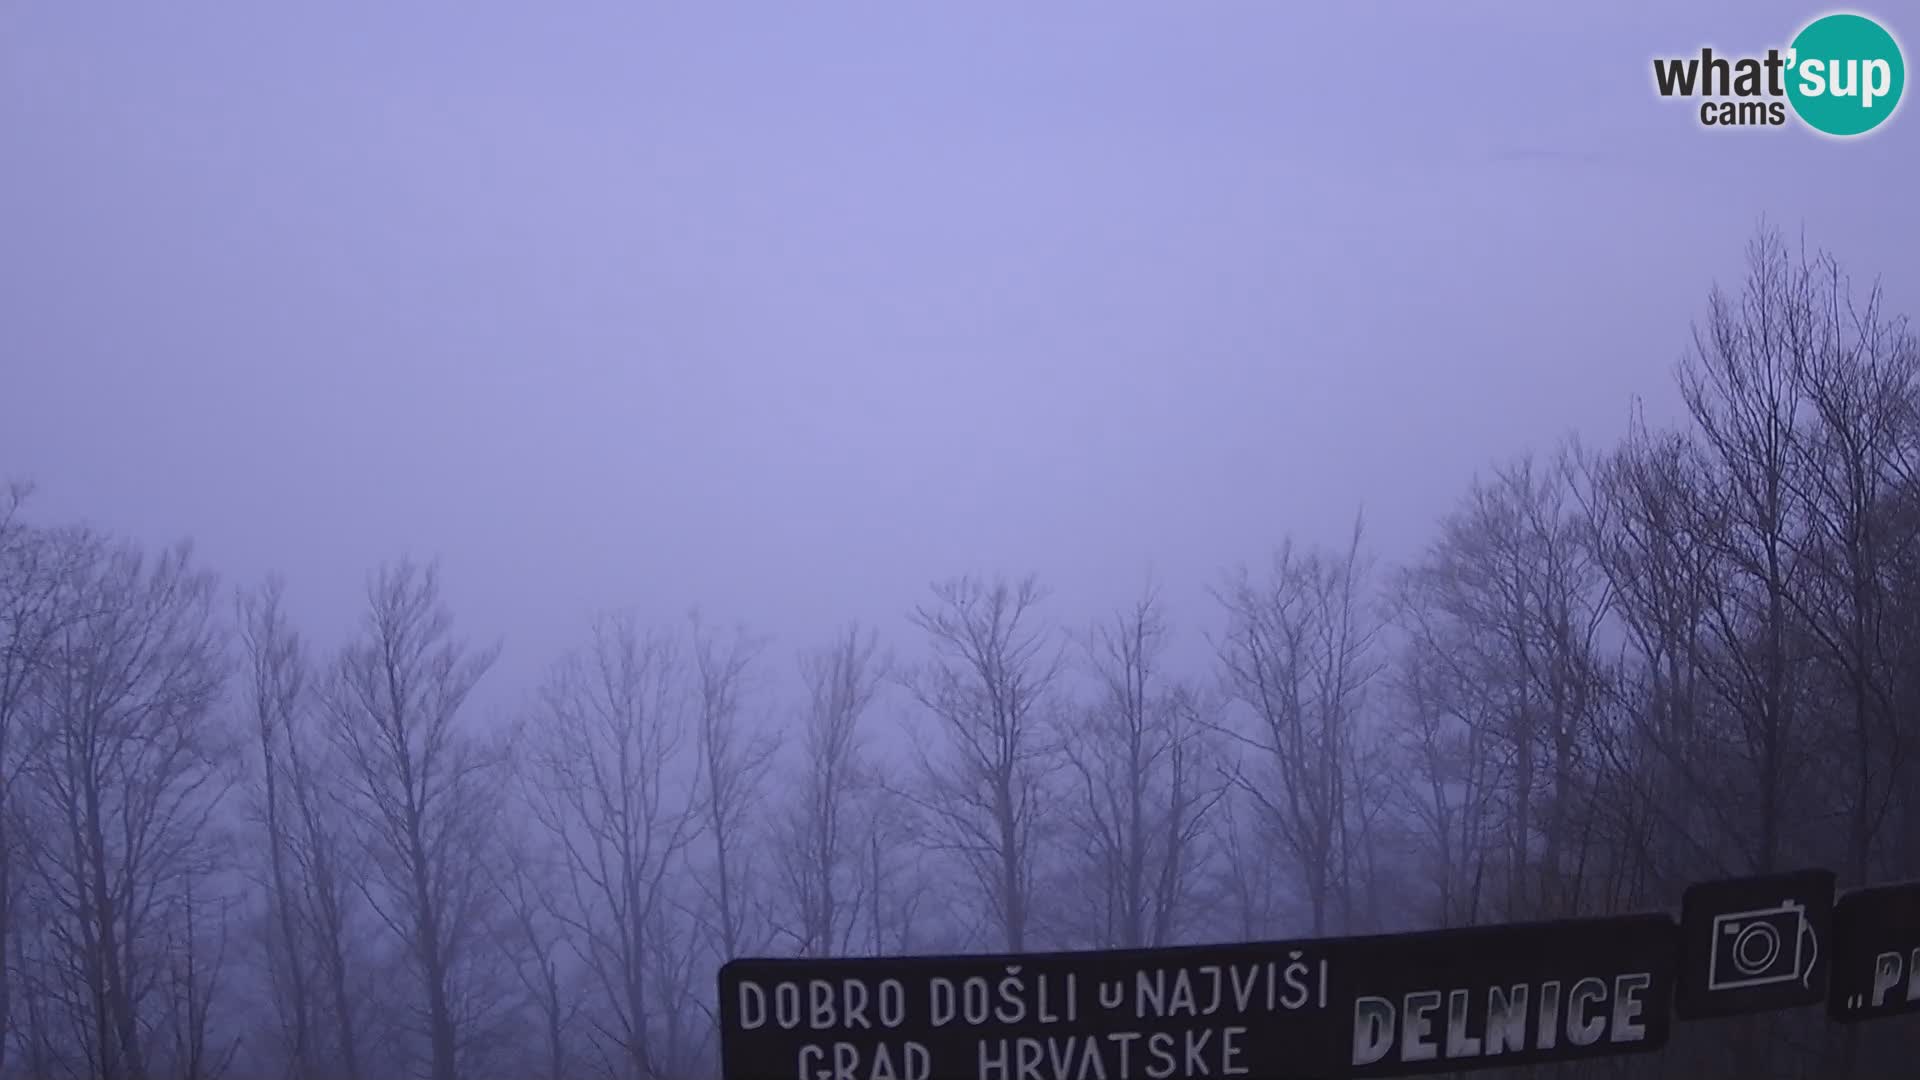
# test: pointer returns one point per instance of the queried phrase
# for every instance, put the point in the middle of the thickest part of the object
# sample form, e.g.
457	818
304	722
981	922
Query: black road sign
1243	1010
1202	1011
1876	953
1390	1005
1756	943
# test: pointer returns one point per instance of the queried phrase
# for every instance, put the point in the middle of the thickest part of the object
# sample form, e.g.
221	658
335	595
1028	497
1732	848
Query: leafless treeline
224	851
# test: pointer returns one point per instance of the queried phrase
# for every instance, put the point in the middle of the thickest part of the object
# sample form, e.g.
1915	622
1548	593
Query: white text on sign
1518	1018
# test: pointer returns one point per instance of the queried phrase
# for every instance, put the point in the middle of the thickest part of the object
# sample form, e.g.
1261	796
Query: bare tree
1145	783
732	762
987	686
680	981
1449	778
1299	652
318	838
1506	606
1651	524
1857	465
422	789
310	904
1252	875
535	942
608	776
1743	389
195	1049
275	675
30	619
129	765
901	877
821	850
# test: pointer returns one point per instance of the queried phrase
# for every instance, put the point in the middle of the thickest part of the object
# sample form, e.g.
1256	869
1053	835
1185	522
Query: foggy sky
788	309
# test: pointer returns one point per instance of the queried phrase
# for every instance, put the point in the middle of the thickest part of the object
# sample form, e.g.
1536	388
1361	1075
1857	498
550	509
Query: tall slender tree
423	790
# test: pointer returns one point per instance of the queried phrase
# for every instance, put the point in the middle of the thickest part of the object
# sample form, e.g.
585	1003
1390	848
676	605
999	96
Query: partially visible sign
1876	954
1492	996
1756	943
1391	1005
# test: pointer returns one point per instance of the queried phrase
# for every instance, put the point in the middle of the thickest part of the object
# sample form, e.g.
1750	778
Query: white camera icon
1762	947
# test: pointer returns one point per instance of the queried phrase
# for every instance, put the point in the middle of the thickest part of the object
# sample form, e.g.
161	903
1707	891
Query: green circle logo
1845	75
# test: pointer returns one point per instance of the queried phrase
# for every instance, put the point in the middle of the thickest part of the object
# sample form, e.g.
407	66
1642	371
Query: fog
790	315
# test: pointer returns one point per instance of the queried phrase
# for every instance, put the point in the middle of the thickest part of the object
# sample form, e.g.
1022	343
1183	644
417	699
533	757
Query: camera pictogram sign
1754	944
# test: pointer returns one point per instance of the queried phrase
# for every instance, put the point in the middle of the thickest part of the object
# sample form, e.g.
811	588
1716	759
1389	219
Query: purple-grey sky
788	309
